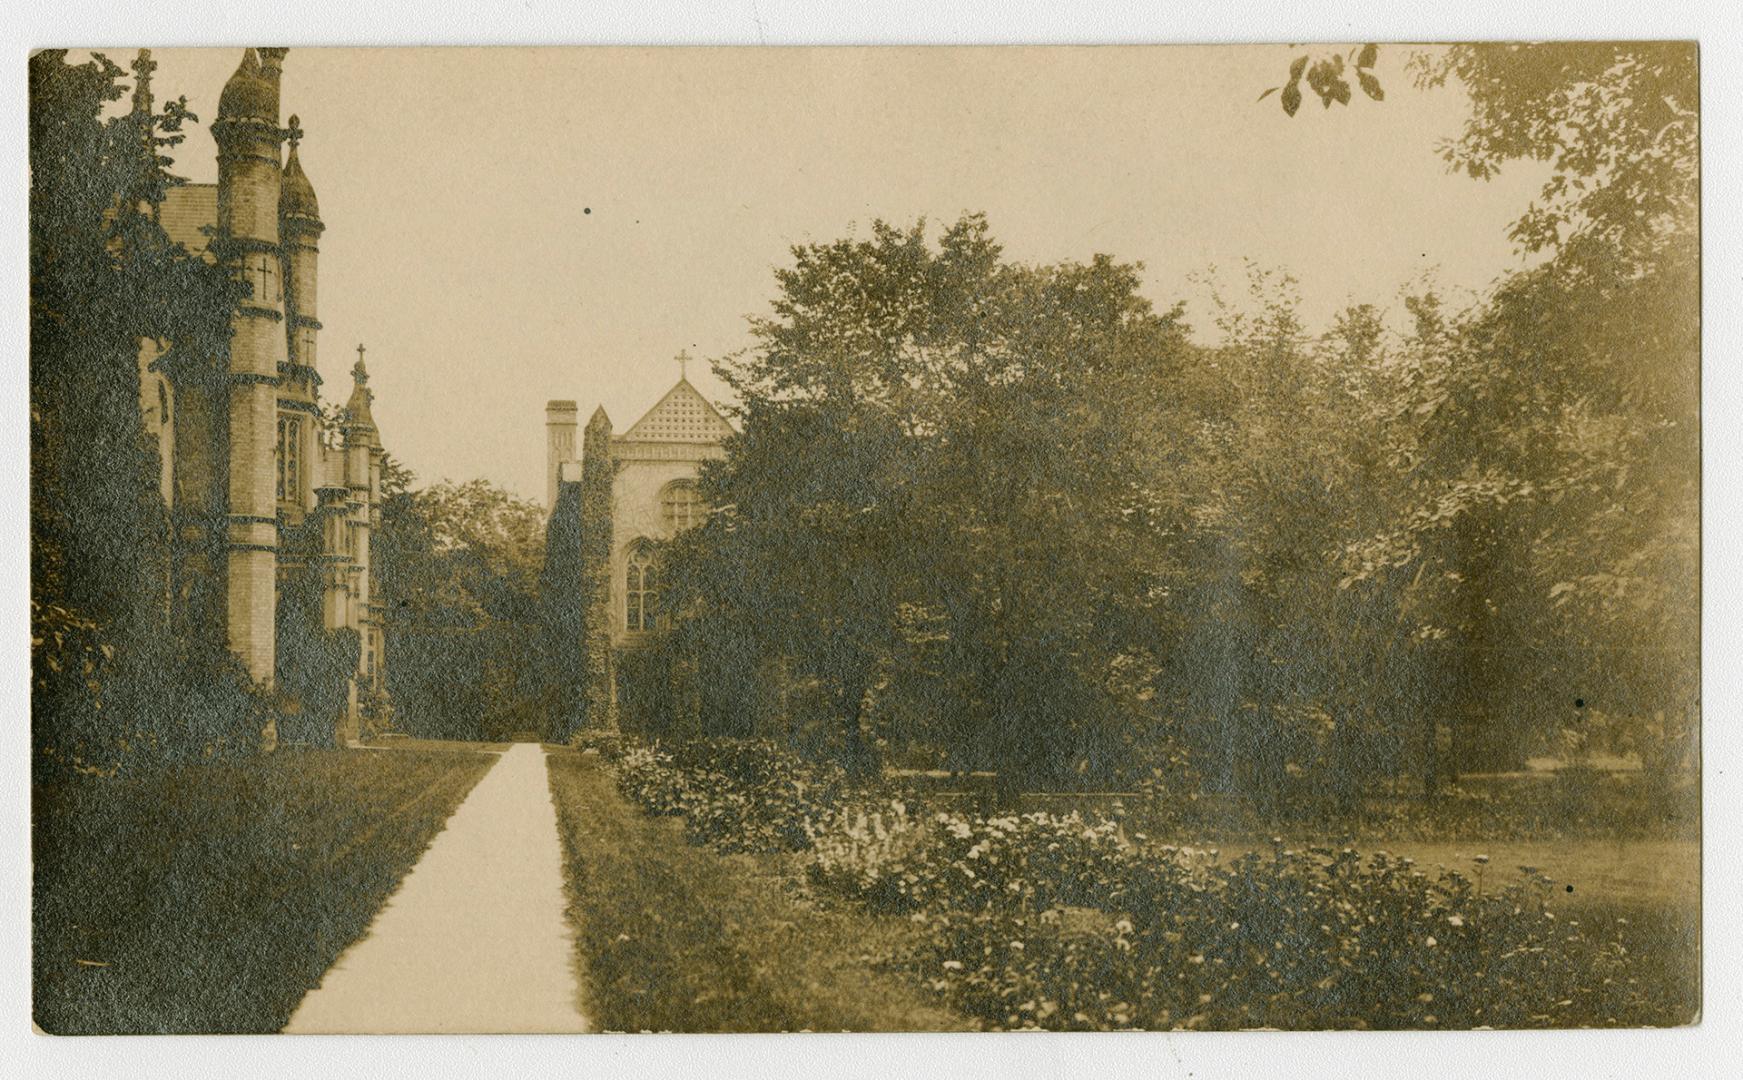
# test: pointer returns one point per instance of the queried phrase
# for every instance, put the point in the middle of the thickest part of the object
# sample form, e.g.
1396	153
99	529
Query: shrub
734	794
874	851
609	745
648	778
896	862
1067	922
100	710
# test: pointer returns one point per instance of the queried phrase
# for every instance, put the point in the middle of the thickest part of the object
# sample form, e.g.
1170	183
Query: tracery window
681	505
290	458
641	590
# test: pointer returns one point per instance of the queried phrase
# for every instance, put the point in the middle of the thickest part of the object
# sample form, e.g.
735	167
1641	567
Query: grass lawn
678	938
210	898
401	742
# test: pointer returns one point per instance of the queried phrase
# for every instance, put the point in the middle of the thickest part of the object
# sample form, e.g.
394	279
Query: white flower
1430	942
1456	920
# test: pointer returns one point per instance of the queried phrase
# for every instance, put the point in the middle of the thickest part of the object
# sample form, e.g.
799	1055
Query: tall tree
935	503
104	278
1547	442
459	566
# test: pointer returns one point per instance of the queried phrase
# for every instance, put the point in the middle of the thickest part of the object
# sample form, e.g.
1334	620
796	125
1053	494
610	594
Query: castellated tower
559	445
272	514
248	137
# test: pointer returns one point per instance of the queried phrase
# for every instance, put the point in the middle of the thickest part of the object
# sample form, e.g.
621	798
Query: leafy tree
932	507
113	676
1011	511
459	566
1617	121
1546	442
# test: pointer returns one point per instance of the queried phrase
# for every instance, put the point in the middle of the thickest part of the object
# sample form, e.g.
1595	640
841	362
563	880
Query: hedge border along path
678	938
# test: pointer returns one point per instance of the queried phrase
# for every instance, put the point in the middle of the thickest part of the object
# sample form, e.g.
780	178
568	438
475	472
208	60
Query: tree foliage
113	679
932	512
1329	78
459	567
1617	121
1014	512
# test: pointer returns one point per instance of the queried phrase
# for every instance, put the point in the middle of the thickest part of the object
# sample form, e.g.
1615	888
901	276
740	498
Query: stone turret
248	138
300	228
559	445
363	456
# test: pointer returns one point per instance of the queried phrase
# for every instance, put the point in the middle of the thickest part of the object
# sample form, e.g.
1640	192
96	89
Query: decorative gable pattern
682	416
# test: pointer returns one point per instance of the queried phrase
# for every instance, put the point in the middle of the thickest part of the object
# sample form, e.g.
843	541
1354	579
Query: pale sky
506	226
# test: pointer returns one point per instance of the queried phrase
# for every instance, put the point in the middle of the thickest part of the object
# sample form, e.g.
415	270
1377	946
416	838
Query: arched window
290	458
641	590
681	505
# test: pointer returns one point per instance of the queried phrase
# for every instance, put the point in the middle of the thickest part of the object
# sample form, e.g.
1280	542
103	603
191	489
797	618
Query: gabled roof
185	208
682	416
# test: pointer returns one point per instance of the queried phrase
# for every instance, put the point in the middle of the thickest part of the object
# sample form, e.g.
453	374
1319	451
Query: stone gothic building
629	492
271	500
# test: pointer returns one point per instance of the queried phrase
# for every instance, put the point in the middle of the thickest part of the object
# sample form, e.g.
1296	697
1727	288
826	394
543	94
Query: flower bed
735	794
1067	922
1297	940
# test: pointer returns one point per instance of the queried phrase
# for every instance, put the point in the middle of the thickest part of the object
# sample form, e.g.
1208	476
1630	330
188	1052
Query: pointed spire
147	179
142	69
296	196
358	417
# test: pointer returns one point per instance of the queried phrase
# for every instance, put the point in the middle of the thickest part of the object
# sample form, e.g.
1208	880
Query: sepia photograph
867	539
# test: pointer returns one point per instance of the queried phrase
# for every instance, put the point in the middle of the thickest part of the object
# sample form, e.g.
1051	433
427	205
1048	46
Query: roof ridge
652	419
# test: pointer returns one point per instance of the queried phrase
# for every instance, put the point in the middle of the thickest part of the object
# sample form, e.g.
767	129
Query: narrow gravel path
475	939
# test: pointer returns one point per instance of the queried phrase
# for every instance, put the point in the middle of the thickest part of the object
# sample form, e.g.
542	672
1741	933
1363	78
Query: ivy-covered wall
597	471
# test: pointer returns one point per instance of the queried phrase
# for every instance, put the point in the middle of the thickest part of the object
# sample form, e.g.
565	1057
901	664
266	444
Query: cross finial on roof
360	373
294	132
683	358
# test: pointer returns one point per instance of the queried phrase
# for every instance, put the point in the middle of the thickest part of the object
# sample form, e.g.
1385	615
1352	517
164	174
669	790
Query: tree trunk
859	756
1430	755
